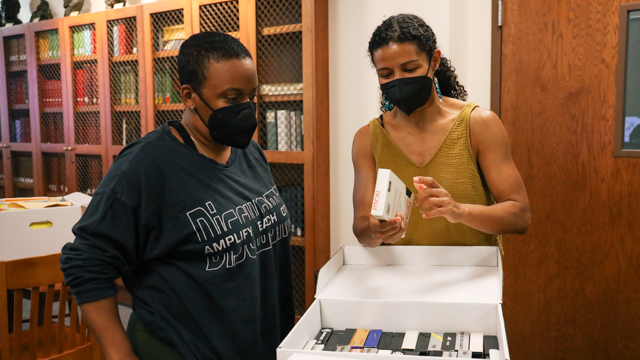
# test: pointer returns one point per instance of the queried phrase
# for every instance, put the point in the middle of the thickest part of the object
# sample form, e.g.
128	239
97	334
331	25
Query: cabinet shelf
23	185
52	61
297	241
122	108
284	97
93	57
125	58
88	108
285	157
283	29
16	66
169	107
52	110
165	53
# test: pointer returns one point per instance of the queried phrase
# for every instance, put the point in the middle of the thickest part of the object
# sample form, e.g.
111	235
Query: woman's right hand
389	231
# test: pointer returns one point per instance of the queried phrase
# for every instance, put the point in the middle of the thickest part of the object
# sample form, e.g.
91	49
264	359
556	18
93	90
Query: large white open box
400	288
20	239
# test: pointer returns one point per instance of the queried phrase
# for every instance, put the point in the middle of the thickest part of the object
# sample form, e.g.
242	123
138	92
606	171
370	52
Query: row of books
89	183
87	85
88	131
18	89
84	41
448	344
55	176
129	133
293	197
16	49
125	82
51	93
21	130
22	170
49	45
167	88
172	37
285	131
52	129
123	41
281	89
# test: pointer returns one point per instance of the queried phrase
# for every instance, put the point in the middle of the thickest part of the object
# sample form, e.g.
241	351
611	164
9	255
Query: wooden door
124	86
167	24
86	106
18	125
54	160
571	287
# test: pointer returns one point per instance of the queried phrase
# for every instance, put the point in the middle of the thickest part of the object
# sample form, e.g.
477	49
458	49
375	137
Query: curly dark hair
409	28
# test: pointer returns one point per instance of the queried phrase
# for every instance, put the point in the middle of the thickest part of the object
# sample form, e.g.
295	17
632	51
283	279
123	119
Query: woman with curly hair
454	156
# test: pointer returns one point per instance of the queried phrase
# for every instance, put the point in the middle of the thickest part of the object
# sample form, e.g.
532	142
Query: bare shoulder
486	129
361	147
362	137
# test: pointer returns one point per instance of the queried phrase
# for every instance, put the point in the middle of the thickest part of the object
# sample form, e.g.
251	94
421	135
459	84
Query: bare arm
511	213
369	231
104	320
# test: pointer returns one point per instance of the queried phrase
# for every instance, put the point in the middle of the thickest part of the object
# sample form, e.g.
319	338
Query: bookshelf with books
126	113
52	161
291	56
166	30
87	146
17	130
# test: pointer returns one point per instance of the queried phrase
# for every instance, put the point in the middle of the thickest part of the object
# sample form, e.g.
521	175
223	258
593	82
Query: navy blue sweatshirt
202	247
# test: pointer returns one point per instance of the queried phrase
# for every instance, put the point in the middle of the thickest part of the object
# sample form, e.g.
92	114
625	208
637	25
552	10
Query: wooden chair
52	339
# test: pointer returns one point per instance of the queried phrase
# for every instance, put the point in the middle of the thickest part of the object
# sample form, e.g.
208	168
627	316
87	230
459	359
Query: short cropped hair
200	49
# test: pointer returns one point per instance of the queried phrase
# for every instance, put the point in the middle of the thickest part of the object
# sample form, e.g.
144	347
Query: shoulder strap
183	134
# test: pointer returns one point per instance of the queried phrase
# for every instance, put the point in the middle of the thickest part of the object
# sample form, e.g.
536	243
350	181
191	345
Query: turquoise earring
435	80
388	105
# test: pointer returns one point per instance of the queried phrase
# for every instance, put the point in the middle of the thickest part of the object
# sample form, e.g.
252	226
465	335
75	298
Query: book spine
282	118
55	44
80	87
292	131
272	130
46	46
298	132
116	40
93	42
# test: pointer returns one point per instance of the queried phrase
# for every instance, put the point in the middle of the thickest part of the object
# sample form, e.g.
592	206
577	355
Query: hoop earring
388	105
435	80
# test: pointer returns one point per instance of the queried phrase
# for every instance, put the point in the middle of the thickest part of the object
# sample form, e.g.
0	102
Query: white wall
463	31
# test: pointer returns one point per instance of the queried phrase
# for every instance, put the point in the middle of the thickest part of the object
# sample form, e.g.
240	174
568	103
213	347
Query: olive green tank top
454	166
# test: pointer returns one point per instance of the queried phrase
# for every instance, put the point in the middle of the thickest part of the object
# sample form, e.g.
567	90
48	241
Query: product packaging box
38	232
429	289
391	196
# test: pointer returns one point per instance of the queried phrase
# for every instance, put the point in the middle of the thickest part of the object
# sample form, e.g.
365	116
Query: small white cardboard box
18	240
400	288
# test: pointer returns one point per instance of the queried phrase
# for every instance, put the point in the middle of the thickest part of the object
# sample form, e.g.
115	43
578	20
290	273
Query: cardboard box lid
79	198
458	274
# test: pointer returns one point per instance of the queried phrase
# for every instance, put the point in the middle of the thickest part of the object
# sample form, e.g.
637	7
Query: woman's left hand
433	201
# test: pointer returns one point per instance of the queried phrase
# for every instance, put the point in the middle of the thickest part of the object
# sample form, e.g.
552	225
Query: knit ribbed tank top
454	166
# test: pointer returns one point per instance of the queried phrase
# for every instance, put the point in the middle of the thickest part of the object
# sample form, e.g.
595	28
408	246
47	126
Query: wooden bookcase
99	81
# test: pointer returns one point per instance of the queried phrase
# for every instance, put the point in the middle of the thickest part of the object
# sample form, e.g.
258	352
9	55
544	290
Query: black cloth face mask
232	125
408	94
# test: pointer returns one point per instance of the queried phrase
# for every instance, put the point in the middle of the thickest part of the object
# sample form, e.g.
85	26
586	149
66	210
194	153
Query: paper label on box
74	13
118	6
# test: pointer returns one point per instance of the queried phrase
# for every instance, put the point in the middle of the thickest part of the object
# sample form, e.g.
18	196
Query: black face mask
232	125
408	94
